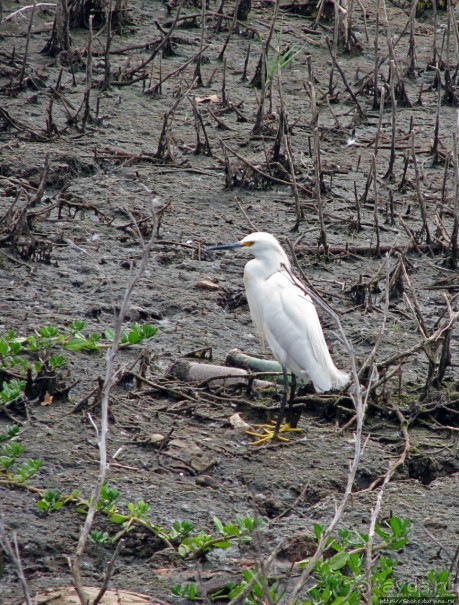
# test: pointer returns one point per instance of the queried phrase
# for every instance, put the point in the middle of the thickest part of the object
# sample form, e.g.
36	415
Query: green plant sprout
99	537
339	577
12	470
11	390
179	536
257	594
73	338
34	356
279	61
52	500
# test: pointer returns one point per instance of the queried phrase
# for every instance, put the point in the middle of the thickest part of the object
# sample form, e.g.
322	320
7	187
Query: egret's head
254	241
260	244
259	241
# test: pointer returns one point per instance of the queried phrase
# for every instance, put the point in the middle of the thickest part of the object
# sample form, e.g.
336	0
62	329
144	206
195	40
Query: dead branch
360	404
421	200
165	40
345	82
12	550
393	466
102	433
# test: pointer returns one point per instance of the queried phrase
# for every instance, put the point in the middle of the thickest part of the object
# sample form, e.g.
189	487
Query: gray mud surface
69	258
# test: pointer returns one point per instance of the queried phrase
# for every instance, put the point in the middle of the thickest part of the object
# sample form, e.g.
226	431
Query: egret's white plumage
285	316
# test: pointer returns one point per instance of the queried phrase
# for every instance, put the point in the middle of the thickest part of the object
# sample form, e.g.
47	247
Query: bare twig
26	51
105	394
377	508
454	251
390	170
360	404
421	199
108	573
12	550
27	8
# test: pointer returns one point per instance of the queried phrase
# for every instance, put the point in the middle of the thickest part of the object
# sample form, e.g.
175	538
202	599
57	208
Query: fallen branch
134	278
29	7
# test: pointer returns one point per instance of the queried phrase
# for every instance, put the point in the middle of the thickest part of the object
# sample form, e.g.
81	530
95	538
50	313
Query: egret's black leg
292	418
283	403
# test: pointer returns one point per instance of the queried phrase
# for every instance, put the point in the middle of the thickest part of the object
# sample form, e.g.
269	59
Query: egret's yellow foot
267	433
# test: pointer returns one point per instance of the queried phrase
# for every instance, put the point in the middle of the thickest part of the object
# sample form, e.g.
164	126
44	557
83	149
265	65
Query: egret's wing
293	331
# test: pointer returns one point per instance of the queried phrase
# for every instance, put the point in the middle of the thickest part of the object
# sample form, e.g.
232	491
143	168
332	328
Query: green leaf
318	530
78	343
222	544
184	550
397	544
338	561
99	537
134	338
57	361
48	331
355	563
341	600
77	325
218	525
384	535
109	334
118	519
399	528
12	389
4	348
148	331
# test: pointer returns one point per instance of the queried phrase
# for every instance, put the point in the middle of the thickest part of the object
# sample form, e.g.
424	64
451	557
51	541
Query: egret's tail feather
340	379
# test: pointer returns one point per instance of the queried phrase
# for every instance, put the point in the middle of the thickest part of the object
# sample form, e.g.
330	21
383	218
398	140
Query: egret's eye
248	244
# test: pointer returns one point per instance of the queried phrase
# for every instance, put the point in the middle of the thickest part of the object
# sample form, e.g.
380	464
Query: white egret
286	319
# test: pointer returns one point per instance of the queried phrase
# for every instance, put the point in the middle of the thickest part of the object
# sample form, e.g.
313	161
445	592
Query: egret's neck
267	263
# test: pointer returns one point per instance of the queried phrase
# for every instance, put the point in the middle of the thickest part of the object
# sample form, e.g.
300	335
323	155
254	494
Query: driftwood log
193	371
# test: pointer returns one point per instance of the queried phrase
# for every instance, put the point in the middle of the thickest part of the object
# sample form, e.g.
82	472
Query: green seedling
10	433
180	535
257	590
261	591
187	591
27	470
340	576
279	62
134	335
437	583
34	356
52	500
73	338
11	469
107	499
10	452
99	537
12	389
179	531
193	547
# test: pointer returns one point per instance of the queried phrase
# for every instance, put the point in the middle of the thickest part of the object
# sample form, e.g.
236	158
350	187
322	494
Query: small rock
239	424
207	481
201	465
207	284
156	439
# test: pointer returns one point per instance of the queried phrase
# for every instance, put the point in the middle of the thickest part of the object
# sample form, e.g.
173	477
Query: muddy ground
66	249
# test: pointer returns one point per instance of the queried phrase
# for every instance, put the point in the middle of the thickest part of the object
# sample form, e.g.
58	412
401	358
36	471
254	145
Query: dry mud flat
70	187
